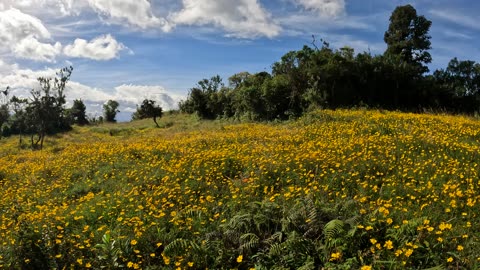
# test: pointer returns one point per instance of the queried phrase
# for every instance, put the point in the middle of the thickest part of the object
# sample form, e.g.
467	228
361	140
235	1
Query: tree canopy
407	37
110	110
148	109
324	77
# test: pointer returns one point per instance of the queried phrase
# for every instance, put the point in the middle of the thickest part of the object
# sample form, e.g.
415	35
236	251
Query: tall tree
110	110
407	37
4	111
45	112
78	112
148	109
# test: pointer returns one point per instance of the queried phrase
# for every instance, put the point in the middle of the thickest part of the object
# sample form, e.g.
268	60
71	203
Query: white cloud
20	33
137	93
21	81
31	48
16	25
6	68
325	8
135	12
240	18
65	7
101	48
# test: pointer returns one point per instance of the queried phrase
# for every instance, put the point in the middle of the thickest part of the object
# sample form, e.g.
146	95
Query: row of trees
44	112
327	78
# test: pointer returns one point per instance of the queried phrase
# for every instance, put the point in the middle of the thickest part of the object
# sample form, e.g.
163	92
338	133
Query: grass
345	189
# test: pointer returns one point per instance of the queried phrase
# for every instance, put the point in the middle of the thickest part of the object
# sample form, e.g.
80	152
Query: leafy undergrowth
345	189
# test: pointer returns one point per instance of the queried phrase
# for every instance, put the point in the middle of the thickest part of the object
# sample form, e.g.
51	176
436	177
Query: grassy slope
336	189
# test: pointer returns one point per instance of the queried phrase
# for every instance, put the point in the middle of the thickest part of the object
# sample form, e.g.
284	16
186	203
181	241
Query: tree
4	110
295	65
459	85
407	37
247	100
148	109
4	116
208	99
78	112
110	110
44	112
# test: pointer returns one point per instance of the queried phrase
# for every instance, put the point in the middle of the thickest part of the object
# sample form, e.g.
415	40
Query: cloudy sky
129	50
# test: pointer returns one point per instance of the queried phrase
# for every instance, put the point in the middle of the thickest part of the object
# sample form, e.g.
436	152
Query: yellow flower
190	264
373	241
88	265
166	259
459	248
335	256
80	261
450	259
388	244
366	267
133	242
408	252
239	258
130	264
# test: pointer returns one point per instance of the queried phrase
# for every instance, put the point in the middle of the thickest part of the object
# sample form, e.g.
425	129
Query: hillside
344	189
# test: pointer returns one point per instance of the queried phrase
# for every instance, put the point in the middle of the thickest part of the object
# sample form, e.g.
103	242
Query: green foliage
78	113
110	110
44	112
407	37
148	109
209	99
108	253
334	78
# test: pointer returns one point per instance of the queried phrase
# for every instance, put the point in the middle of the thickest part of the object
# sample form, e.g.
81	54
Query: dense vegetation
327	78
329	189
344	189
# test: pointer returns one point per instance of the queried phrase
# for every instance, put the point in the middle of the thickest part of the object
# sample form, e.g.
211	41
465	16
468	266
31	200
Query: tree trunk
155	120
41	140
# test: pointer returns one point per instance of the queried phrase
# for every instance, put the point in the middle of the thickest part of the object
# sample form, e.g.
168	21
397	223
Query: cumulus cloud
135	12
100	48
21	81
240	18
137	93
31	48
16	25
325	8
57	7
20	33
127	95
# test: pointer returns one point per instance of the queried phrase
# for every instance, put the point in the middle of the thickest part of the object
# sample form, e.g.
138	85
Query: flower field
344	189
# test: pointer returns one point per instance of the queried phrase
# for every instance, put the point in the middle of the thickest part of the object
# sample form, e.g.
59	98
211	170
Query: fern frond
178	245
277	237
333	228
249	241
276	249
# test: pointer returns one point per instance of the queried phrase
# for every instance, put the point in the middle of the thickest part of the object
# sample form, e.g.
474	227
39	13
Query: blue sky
129	50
